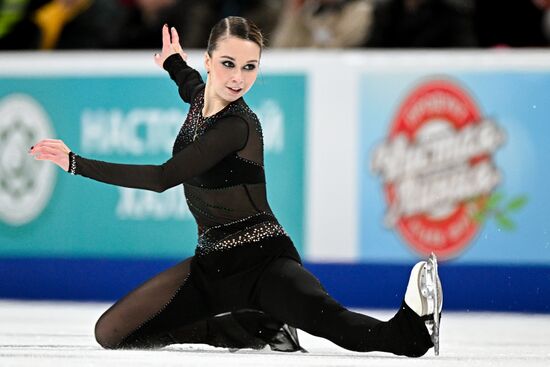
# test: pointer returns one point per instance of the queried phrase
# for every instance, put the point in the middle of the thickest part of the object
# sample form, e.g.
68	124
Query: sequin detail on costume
195	124
191	125
72	163
250	235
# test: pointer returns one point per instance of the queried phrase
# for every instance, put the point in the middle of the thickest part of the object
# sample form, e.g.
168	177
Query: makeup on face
233	67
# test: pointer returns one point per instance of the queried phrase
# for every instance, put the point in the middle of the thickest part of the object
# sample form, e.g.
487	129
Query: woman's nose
237	76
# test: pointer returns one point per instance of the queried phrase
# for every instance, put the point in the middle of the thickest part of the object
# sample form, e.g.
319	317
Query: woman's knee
105	335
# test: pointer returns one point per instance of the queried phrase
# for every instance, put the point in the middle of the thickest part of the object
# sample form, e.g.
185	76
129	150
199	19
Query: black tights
173	308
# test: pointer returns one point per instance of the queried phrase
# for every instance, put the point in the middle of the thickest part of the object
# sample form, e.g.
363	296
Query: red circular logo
437	167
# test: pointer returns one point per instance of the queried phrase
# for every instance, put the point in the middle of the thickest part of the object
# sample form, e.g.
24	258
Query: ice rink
61	334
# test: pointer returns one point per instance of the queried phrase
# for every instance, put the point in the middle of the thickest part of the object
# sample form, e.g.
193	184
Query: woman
244	264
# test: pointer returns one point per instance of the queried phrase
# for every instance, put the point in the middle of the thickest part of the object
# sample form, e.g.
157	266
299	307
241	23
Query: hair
237	27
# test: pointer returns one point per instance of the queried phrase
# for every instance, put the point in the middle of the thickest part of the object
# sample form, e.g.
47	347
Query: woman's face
233	67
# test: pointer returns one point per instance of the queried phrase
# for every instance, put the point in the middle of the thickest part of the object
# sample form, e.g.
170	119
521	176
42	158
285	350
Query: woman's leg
168	309
144	317
291	294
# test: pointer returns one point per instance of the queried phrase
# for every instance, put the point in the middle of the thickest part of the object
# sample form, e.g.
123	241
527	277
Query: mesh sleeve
226	136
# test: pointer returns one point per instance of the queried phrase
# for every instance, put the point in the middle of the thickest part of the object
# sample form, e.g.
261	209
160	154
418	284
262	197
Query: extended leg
290	293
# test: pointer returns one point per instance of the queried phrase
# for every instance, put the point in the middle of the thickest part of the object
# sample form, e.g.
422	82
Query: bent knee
105	335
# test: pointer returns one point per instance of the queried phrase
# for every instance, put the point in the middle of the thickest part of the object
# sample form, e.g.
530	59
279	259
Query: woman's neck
212	103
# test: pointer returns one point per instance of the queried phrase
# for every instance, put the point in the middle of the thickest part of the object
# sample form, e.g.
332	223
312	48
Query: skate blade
434	295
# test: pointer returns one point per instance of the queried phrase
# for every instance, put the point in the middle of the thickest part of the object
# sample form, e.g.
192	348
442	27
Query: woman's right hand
170	45
52	150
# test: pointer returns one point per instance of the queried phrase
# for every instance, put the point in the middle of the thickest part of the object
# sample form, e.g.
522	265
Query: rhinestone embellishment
250	235
72	163
195	124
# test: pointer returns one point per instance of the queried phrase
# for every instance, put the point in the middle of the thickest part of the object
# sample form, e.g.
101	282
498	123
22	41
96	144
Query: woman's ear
207	62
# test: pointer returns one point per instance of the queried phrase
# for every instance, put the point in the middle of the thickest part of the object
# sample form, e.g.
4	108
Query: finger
175	39
157	59
48	142
45	157
177	48
175	36
37	144
165	38
52	140
58	145
40	154
47	150
176	43
55	145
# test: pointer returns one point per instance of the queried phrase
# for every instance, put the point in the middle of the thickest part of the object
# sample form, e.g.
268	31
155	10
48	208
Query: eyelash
247	67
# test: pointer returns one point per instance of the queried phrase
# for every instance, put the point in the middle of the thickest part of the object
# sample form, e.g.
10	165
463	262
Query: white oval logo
26	185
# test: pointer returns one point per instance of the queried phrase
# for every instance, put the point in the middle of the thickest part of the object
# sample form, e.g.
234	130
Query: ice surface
61	334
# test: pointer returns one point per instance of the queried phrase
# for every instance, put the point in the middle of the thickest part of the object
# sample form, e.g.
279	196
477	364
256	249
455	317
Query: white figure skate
425	296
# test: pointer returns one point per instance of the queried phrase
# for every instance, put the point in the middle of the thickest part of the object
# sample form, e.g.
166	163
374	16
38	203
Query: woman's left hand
170	45
53	150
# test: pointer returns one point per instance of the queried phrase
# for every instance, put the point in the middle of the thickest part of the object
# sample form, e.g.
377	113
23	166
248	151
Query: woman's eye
249	67
228	64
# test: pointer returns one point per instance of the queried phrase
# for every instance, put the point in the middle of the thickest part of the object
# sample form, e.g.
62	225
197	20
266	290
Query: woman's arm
227	135
188	80
174	60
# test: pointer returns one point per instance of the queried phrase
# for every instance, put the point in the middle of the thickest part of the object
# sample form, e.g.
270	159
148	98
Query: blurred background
134	24
393	129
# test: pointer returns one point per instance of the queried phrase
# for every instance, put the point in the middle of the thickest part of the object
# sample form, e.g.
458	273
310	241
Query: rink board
118	119
370	166
467	287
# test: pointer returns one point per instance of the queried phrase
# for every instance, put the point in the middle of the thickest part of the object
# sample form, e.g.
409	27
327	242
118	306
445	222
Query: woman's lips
234	90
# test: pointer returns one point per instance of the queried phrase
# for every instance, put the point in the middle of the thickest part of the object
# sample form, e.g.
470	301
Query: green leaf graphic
504	222
517	203
495	207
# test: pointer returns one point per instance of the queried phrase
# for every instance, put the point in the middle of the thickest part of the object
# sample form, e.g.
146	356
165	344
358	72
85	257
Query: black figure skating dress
244	264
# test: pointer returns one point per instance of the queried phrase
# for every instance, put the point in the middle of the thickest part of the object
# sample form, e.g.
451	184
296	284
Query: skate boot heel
425	296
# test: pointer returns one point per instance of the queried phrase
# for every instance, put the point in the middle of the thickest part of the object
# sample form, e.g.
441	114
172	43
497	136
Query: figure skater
245	286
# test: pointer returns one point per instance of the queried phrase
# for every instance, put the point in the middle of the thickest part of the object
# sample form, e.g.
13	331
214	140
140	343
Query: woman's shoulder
197	95
241	109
